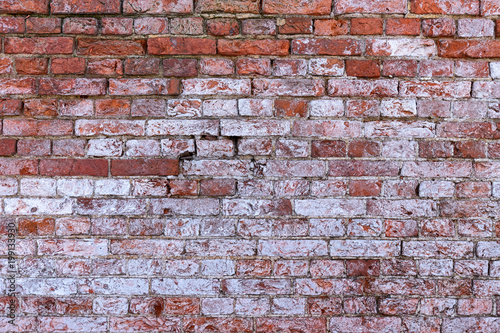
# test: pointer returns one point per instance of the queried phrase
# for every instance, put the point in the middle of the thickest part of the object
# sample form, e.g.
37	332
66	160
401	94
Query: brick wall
301	166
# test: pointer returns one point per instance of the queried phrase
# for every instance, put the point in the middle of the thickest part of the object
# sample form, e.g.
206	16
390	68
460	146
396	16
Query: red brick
37	227
151	26
223	27
96	47
326	47
145	167
213	324
365	188
121	324
473	190
217	187
362	68
183	187
24	7
289	67
403	26
252	47
142	66
494	150
144	87
78	86
80	25
11	25
248	66
74	167
439	27
39	45
434	149
314	7
7	147
180	45
436	68
469	48
6	66
17	86
40	108
303	325
324	306
400	68
12	167
32	66
258	27
107	67
362	108
363	168
453	7
400	228
180	67
33	147
228	6
296	25
157	7
434	89
398	306
363	267
470	149
362	88
116	26
367	6
87	7
186	26
253	267
25	127
283	87
112	107
215	66
367	26
10	107
363	149
328	149
181	306
472	69
67	66
290	108
43	25
331	27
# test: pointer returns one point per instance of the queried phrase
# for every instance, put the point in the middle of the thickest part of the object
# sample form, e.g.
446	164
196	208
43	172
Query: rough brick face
256	166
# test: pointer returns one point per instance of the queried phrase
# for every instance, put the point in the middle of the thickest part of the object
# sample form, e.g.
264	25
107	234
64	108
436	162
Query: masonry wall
299	166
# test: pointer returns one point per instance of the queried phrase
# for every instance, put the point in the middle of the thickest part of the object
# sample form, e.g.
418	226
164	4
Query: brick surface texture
251	166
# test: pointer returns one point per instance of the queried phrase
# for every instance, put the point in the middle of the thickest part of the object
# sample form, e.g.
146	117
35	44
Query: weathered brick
93	6
39	45
252	47
381	7
336	47
80	25
227	6
367	26
25	7
456	7
144	87
96	47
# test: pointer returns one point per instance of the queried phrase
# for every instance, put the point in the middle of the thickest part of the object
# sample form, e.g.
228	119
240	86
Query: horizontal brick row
405	47
471	110
316	7
256	87
250	166
320	207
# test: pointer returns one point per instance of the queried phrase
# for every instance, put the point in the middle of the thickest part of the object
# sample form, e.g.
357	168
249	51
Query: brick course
251	166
